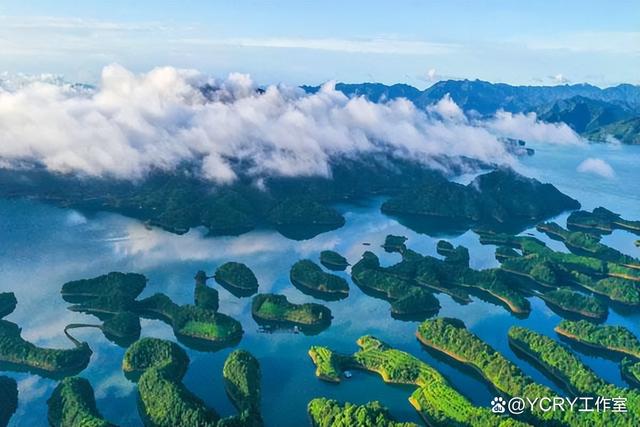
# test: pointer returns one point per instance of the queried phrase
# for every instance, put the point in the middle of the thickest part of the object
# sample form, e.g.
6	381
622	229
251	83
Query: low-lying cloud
133	123
596	166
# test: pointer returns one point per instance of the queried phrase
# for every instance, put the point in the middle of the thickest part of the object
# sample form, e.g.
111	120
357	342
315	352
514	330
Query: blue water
42	247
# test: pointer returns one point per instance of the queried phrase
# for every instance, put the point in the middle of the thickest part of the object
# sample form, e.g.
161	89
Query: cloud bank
133	123
596	166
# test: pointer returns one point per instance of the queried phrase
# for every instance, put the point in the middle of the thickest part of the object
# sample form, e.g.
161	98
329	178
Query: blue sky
416	42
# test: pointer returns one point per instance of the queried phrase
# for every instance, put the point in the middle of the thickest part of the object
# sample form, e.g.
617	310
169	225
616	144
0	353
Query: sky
311	42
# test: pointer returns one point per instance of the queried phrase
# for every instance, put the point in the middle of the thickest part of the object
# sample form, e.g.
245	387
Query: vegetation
577	303
436	401
197	324
128	285
206	297
307	275
602	221
587	244
8	303
630	370
8	399
606	337
123	327
627	131
51	362
505	252
451	337
159	366
500	196
407	297
272	308
73	404
577	377
241	373
331	413
333	260
303	211
238	277
458	255
394	243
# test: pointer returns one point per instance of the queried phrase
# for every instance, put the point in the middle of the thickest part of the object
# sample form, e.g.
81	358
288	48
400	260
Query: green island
575	303
542	266
8	303
451	338
20	354
435	400
601	221
112	299
451	275
393	243
333	260
500	196
8	399
204	296
455	255
241	372
309	278
505	252
73	404
616	339
158	366
560	363
197	327
582	243
630	371
329	413
276	310
407	297
237	278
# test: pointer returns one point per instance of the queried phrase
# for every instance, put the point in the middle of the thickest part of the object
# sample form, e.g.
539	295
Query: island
568	301
498	197
309	278
8	399
116	284
20	354
577	378
241	373
617	339
158	366
333	260
237	278
455	255
328	413
601	221
587	244
276	310
394	243
408	299
8	303
543	267
73	404
451	338
630	371
435	400
195	326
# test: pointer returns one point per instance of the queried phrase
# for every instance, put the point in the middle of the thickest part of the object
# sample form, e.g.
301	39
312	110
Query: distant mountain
486	98
626	131
584	114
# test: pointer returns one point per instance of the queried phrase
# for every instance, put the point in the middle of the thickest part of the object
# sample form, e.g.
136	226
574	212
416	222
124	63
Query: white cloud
432	75
376	45
133	123
528	128
615	42
447	109
596	166
559	79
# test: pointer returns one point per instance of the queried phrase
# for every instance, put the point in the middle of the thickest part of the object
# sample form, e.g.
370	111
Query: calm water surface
41	247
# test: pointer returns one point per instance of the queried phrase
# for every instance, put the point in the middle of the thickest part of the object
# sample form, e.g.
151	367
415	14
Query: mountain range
593	112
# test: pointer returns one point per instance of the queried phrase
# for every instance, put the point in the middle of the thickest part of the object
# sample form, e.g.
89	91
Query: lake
43	247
